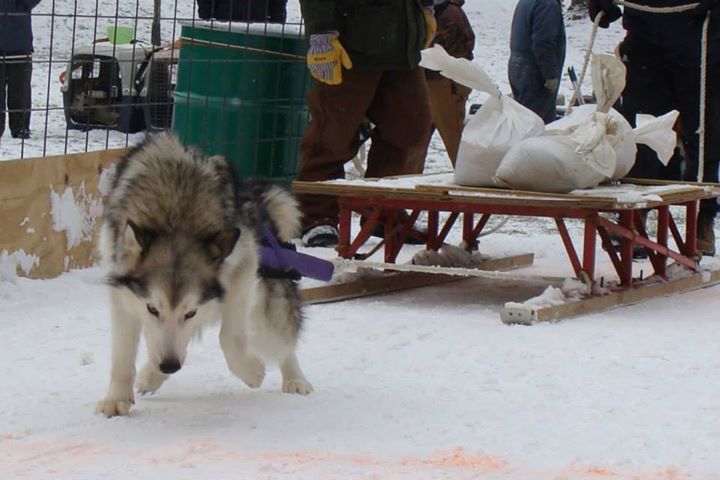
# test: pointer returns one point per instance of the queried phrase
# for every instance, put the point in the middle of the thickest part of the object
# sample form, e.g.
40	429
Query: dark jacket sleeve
547	25
454	32
319	15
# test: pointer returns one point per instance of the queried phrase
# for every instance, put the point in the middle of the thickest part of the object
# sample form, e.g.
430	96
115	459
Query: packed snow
422	384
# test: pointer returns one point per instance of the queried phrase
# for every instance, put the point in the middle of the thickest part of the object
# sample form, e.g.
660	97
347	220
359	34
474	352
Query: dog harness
282	260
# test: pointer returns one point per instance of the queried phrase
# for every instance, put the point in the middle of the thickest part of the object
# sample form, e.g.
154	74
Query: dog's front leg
150	379
233	340
293	379
125	338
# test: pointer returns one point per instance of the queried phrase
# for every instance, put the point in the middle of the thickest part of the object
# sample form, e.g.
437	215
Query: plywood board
397	281
528	315
49	211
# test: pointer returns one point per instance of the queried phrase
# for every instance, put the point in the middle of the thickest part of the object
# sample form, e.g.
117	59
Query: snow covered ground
426	384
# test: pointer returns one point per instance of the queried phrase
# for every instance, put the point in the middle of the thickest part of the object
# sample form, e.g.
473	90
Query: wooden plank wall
49	211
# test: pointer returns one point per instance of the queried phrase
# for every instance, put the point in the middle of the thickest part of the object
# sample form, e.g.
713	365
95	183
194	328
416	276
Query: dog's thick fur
179	241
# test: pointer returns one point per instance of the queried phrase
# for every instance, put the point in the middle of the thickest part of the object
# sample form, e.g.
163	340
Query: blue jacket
16	26
674	37
538	35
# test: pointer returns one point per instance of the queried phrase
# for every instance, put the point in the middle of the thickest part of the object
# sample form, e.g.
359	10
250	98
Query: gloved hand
430	25
326	57
552	84
707	6
611	11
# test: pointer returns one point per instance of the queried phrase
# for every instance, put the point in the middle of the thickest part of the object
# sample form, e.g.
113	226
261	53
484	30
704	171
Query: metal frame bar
629	228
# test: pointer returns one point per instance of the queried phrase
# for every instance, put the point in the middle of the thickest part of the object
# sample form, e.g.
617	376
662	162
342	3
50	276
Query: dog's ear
220	245
137	239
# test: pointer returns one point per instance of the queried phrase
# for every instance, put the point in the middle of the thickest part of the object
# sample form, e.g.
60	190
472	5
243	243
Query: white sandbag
655	132
608	75
460	70
498	125
622	140
658	134
581	158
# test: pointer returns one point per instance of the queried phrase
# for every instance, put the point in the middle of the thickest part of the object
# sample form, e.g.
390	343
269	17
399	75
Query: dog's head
172	280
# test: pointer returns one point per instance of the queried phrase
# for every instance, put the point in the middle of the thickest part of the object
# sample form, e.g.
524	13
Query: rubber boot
706	234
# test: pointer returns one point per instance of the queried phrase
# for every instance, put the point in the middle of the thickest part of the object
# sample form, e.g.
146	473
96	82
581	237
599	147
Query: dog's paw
149	380
297	385
114	408
250	370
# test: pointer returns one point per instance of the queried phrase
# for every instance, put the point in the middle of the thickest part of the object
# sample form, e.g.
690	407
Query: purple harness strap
274	256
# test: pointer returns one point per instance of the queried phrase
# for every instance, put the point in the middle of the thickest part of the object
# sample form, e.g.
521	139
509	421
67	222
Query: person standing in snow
662	54
537	54
271	11
16	48
364	56
448	98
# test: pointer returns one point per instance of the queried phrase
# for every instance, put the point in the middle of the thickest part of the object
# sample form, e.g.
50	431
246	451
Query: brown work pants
447	102
395	101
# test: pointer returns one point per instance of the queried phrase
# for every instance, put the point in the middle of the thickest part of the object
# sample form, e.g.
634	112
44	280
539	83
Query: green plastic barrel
241	92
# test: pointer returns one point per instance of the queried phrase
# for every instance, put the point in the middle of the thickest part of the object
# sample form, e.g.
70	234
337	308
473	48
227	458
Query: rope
586	61
703	66
703	98
648	9
207	43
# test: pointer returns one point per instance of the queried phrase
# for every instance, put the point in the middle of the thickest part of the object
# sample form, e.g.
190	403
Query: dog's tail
281	208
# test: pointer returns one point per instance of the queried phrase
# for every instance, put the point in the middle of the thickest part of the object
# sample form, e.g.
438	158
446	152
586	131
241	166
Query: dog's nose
170	366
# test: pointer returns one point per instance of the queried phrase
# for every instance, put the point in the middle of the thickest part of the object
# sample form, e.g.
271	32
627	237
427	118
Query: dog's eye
190	314
153	310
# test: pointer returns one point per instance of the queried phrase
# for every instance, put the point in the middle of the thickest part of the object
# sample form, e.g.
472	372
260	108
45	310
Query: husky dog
179	240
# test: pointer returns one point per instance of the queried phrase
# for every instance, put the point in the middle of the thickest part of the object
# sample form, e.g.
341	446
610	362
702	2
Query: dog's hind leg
293	379
150	379
125	339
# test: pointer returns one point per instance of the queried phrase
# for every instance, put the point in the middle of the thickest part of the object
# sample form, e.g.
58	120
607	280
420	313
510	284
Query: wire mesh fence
106	72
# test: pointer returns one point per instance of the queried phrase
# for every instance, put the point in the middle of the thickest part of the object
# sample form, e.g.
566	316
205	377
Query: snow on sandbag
498	125
655	132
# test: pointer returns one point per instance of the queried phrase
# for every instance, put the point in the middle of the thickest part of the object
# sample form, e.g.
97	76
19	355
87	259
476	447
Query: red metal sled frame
629	228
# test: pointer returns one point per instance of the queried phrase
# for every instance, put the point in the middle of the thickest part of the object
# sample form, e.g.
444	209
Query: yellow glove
430	25
326	57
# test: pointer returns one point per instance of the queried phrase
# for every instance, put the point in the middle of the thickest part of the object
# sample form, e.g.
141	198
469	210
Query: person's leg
19	96
401	114
687	82
528	88
447	101
331	138
649	90
3	88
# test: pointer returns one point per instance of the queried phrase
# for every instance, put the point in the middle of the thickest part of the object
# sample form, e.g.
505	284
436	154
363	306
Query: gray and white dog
179	240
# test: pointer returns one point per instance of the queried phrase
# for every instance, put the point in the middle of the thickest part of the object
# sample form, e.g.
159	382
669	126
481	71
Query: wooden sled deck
380	201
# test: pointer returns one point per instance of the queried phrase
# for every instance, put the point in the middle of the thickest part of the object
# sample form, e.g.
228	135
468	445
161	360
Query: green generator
241	92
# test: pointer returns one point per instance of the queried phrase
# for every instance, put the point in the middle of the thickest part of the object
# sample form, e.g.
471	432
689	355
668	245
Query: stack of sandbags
592	145
498	125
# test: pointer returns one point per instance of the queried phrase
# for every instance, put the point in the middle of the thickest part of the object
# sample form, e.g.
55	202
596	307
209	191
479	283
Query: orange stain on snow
594	471
457	458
